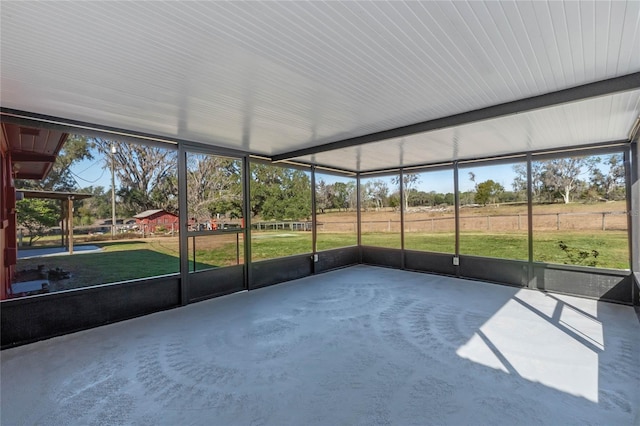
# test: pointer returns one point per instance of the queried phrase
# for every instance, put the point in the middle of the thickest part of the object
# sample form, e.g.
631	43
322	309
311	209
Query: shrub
578	256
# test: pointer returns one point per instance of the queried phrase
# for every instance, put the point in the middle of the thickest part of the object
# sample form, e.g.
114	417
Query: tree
449	198
323	196
37	215
95	207
537	185
552	178
417	198
409	180
610	183
280	193
214	186
561	176
467	197
488	191
147	175
338	195
375	193
345	196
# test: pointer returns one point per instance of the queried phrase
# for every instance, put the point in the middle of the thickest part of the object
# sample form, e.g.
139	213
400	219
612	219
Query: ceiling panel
596	120
272	77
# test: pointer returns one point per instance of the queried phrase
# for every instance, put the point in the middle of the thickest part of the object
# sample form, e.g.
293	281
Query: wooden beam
28	176
32	157
70	223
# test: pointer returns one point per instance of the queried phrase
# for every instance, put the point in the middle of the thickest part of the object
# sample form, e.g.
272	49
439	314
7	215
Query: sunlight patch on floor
560	352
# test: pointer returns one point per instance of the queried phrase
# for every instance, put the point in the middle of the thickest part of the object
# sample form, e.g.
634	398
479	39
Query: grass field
491	231
126	260
611	245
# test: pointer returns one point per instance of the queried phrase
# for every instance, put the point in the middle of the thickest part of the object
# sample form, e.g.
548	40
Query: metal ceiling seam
561	56
495	10
575	37
357	92
431	64
621	25
634	133
531	56
635	39
637	122
589	31
491	43
543	39
419	76
602	37
591	90
378	50
345	55
461	82
512	38
461	54
608	38
353	47
421	54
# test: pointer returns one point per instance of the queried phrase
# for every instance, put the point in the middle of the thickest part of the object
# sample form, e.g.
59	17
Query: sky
441	181
93	173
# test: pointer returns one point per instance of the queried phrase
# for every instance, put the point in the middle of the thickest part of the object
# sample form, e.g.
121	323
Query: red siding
8	245
159	219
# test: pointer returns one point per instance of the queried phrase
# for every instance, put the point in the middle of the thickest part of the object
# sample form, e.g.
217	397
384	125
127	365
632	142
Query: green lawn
119	261
126	260
225	255
271	244
612	246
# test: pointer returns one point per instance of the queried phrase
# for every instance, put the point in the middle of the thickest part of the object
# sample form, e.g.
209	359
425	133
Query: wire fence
596	221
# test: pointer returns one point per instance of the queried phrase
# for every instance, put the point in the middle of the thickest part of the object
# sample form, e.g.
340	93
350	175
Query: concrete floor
358	346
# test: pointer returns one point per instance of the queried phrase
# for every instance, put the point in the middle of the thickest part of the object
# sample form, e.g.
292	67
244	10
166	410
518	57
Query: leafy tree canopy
488	191
147	175
280	193
37	215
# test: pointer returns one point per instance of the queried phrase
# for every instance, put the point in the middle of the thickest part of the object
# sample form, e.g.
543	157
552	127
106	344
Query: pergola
27	153
356	89
349	87
66	207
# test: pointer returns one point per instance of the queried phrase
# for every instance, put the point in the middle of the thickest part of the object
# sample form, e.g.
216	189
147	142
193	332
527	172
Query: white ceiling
272	77
591	121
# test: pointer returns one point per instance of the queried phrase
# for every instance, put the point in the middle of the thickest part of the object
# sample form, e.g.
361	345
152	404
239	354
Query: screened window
429	221
214	206
144	183
493	211
380	211
280	210
580	211
336	211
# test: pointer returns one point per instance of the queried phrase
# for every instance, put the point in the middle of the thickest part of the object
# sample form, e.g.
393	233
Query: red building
25	153
149	220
